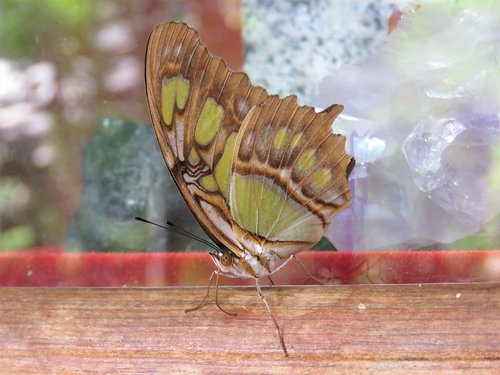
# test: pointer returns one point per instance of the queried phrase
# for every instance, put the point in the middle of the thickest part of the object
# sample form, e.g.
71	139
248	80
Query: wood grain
386	329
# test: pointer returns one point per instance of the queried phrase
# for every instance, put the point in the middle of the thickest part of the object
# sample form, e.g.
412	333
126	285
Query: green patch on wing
173	91
261	207
223	168
208	122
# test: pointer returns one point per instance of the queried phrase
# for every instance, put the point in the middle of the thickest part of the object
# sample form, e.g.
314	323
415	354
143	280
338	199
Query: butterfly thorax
249	262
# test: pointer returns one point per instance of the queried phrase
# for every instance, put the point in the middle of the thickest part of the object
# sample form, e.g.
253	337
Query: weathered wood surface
413	329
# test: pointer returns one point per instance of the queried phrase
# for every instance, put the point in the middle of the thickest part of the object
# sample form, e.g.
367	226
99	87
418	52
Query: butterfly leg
271	280
216	296
204	301
282	341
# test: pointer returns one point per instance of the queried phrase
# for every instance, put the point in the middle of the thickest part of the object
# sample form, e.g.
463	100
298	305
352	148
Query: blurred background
64	66
78	158
69	67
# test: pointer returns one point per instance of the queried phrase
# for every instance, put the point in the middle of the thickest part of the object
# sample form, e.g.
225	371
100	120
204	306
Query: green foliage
24	25
20	237
13	196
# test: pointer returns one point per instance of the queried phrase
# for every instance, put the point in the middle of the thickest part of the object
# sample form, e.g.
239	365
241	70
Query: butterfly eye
226	260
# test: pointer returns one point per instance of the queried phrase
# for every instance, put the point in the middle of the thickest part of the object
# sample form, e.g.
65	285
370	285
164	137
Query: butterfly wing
197	105
289	176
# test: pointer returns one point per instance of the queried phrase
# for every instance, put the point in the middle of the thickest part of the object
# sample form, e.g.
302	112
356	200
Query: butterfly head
233	266
228	262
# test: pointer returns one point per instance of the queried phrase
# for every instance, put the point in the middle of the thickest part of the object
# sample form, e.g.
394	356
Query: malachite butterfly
262	175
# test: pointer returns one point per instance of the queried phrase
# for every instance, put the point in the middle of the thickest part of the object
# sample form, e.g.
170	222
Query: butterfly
262	175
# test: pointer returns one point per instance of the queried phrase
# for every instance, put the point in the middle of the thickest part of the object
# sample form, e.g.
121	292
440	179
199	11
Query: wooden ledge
389	329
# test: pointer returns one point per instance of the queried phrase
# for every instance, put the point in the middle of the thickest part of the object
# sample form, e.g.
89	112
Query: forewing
289	175
197	105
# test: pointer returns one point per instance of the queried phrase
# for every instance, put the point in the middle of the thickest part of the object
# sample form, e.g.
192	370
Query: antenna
171	227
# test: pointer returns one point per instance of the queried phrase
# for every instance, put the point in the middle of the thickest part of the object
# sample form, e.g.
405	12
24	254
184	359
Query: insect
262	175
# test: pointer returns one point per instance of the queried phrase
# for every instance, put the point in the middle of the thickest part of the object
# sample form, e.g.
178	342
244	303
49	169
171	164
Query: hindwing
289	175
